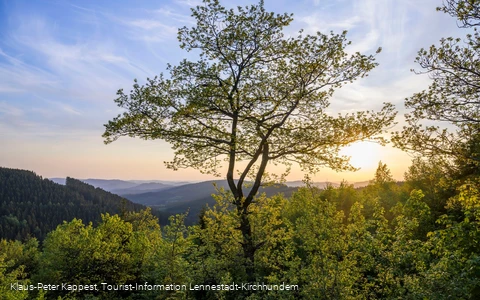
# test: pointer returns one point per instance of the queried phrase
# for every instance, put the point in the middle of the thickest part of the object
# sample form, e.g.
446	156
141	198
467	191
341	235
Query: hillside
126	187
33	206
141	188
325	184
192	197
110	184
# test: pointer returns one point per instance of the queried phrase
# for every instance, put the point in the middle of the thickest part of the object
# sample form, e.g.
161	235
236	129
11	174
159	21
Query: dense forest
417	239
32	207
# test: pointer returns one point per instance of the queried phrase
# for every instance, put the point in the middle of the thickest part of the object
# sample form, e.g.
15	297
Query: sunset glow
363	155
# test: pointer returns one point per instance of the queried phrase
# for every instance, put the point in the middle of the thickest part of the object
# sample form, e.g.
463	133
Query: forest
414	240
31	206
258	97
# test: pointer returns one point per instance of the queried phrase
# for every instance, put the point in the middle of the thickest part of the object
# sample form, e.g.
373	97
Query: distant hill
142	188
33	206
193	197
110	184
320	185
167	182
171	197
58	180
178	194
126	187
324	184
361	184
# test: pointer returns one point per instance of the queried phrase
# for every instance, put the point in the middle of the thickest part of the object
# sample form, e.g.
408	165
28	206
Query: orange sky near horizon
120	160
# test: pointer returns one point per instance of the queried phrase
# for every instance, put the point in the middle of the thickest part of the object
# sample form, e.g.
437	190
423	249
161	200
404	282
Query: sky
61	63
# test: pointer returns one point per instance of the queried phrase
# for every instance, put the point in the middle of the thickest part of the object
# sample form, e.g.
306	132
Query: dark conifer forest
31	206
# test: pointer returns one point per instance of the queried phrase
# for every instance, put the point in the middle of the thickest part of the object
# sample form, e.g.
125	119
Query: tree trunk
248	245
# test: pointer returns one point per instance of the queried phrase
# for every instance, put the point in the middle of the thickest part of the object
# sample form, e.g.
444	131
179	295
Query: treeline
415	240
31	206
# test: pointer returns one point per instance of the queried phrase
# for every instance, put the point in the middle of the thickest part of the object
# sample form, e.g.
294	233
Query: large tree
452	101
253	97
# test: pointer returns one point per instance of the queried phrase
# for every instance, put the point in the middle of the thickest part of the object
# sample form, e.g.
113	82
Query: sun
363	155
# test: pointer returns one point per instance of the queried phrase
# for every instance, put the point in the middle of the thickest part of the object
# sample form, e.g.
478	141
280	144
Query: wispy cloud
318	22
10	110
20	76
150	30
71	67
191	3
149	24
175	16
9	89
64	107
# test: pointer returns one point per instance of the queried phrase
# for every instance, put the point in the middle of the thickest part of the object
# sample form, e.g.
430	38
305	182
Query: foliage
457	270
466	11
453	95
380	250
114	252
17	262
253	95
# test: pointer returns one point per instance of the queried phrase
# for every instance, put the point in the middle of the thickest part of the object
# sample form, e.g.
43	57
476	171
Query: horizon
63	64
189	181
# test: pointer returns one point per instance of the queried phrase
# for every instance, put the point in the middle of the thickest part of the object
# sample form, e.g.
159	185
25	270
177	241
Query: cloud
148	24
318	22
168	13
8	89
18	76
71	68
191	3
10	110
55	83
370	23
64	107
150	30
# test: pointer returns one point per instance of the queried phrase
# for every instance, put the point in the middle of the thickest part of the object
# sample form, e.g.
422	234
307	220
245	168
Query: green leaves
254	96
250	86
452	97
335	243
115	252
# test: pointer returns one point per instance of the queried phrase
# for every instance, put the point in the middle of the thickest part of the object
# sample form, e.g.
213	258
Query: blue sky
61	63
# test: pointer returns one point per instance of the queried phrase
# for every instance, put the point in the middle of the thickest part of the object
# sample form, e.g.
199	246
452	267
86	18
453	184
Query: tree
253	96
453	96
116	252
383	174
17	262
456	268
466	11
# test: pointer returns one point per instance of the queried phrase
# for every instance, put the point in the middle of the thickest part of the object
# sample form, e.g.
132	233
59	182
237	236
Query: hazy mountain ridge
170	197
124	187
193	197
142	188
325	184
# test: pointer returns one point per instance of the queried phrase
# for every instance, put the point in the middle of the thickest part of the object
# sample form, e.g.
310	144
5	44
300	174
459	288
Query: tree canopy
453	96
254	95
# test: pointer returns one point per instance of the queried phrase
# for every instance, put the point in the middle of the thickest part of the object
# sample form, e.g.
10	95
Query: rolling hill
192	198
33	206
